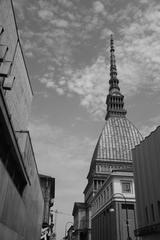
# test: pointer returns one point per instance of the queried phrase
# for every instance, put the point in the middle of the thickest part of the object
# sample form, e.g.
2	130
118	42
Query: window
104	195
152	210
95	185
158	204
97	168
12	166
99	201
146	211
111	188
126	187
128	206
107	192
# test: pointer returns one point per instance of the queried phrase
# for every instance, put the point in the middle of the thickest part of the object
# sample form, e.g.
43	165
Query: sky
66	45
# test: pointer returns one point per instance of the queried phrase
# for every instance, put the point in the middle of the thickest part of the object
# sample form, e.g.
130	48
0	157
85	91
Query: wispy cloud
98	7
141	48
66	3
45	14
19	6
64	29
61	23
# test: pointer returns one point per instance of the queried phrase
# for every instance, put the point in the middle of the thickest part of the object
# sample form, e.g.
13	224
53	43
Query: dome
117	139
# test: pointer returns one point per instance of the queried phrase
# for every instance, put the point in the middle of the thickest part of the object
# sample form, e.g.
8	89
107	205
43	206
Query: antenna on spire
112	42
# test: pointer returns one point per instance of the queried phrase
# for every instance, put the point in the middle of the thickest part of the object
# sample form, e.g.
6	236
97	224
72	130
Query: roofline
148	136
82	205
16	26
46	176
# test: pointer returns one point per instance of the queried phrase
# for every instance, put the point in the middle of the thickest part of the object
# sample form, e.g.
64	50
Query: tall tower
118	137
114	101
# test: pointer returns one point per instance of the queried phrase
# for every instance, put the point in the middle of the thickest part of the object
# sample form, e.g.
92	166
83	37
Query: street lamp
112	210
66	227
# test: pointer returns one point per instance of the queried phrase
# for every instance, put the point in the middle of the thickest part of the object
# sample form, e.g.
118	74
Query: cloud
60	23
141	48
41	93
45	14
32	9
28	47
144	1
19	6
29	54
90	83
66	3
146	130
105	33
60	91
64	29
48	80
31	43
98	7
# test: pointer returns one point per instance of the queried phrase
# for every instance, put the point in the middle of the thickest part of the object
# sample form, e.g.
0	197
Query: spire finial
113	69
112	42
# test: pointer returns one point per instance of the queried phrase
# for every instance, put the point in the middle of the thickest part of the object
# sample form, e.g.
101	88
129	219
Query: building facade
21	199
113	149
82	221
109	207
146	174
48	190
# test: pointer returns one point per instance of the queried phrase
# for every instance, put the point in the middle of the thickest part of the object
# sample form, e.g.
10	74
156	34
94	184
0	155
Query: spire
114	100
113	69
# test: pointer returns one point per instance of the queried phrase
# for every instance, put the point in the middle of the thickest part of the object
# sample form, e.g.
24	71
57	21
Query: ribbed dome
117	139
